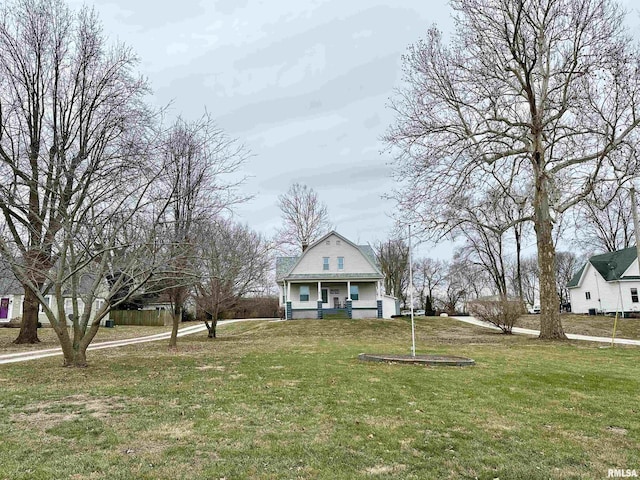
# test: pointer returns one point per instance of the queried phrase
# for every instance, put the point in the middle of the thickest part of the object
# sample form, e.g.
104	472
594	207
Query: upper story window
340	263
634	295
587	295
325	263
304	293
355	292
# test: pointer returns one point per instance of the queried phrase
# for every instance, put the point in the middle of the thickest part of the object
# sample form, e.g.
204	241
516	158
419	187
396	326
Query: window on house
325	295
325	263
634	295
340	263
355	294
304	293
587	295
338	242
328	242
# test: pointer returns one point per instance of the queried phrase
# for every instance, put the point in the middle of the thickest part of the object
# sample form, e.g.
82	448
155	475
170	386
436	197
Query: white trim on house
592	293
310	270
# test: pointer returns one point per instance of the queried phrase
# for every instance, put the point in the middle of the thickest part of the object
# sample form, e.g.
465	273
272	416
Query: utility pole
413	326
634	210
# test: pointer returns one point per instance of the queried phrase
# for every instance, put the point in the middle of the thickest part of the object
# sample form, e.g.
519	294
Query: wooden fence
151	318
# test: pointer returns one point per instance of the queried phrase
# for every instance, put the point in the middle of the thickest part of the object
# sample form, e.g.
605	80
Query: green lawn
600	326
290	400
48	338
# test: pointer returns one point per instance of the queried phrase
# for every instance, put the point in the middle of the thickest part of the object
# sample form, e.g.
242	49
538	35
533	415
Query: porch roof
333	276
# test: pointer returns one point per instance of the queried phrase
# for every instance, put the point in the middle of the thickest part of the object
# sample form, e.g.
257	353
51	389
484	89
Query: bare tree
234	262
605	221
71	110
553	83
198	158
304	218
465	280
393	258
428	275
566	266
529	277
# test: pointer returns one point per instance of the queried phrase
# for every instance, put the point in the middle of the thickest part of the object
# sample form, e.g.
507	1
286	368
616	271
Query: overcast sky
304	84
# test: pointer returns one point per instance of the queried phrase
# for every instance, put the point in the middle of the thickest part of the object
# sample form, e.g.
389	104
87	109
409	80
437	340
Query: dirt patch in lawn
45	415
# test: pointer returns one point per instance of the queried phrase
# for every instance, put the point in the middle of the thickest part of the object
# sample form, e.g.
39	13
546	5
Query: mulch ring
442	360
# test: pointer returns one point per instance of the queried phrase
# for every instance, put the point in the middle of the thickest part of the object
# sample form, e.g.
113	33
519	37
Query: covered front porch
346	299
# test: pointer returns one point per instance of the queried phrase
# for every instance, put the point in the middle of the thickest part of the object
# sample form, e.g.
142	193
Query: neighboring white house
12	298
607	283
333	276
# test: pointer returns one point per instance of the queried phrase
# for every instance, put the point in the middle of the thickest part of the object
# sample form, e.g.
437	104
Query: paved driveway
50	352
527	331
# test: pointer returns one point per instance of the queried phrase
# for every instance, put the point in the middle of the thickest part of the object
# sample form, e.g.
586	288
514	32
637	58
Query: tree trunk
518	261
550	325
75	354
76	358
29	326
177	316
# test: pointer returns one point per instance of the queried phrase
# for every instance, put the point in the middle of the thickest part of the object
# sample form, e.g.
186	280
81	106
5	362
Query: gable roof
575	280
611	265
285	265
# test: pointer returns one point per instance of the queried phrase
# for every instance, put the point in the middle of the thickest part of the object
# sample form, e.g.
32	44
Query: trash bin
592	311
109	323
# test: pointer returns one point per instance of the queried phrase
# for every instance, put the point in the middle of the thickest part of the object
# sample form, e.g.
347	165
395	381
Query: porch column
349	290
288	291
319	315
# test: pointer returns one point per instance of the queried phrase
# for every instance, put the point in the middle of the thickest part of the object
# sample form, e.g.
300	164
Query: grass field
48	337
290	400
600	326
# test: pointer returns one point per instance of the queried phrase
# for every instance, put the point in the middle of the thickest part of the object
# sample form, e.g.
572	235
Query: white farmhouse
607	283
333	277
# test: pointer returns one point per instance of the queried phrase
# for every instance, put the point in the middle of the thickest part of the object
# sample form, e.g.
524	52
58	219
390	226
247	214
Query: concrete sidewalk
527	331
50	352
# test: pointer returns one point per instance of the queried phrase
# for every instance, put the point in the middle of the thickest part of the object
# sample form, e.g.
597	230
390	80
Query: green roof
575	280
611	265
284	266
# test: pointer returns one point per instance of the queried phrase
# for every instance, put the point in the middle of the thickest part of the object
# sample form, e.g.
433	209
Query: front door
336	302
325	295
4	308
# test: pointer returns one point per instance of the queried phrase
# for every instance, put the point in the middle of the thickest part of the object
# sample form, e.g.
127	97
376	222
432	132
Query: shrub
502	312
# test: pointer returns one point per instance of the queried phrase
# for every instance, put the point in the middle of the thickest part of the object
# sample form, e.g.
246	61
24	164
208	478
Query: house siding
15	309
605	296
354	259
308	270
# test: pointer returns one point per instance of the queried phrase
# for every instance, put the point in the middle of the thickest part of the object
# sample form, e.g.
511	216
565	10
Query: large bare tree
71	115
428	275
392	257
551	83
199	160
304	218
